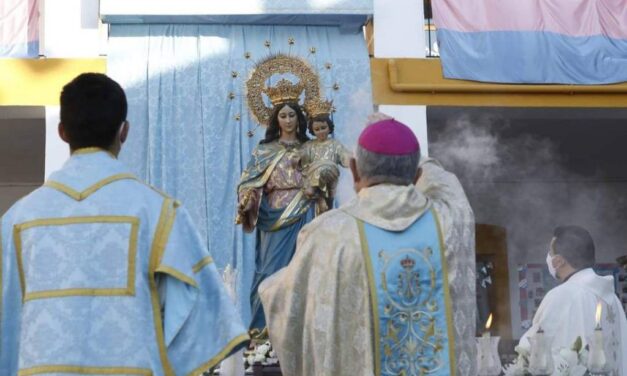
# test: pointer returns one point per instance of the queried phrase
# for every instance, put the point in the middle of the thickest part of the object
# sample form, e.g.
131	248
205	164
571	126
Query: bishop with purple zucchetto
373	285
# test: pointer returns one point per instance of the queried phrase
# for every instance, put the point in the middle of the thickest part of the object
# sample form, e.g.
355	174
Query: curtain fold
185	86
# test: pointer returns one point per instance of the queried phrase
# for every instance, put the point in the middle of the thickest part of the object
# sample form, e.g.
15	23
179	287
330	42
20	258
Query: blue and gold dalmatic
103	275
410	298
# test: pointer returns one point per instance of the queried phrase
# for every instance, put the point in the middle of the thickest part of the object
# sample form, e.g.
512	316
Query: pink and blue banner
533	41
19	28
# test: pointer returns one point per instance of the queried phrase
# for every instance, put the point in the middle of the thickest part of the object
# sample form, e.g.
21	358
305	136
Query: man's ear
354	172
62	135
418	175
559	261
124	131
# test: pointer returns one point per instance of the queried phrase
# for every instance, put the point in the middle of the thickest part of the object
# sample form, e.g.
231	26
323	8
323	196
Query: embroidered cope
320	311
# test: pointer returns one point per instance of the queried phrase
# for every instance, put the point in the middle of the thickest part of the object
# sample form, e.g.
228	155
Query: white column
414	116
399	28
57	151
71	28
399	33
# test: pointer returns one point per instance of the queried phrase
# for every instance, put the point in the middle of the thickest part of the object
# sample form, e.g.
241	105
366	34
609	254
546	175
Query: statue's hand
310	193
246	203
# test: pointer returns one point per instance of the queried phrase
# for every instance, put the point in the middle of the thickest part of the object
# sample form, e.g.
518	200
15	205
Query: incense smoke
525	183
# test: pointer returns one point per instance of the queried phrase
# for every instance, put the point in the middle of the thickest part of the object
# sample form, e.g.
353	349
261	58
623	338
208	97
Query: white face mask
549	263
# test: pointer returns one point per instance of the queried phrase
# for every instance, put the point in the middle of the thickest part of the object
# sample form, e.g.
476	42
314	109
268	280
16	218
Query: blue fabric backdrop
189	139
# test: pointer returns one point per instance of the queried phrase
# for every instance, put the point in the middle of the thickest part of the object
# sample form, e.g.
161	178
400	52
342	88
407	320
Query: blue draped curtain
189	120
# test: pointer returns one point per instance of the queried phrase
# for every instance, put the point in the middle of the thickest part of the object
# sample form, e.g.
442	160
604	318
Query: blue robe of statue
273	181
102	274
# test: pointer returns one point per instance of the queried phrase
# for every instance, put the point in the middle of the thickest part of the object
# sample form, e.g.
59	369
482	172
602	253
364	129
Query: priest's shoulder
331	221
158	192
559	294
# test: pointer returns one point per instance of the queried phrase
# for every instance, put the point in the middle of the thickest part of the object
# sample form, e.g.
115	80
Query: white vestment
568	311
318	308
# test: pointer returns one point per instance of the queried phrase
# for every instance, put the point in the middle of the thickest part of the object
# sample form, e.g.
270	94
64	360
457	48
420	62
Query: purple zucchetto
389	137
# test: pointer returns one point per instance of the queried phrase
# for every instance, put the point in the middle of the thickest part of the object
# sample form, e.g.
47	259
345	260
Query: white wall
399	33
57	151
399	29
71	28
115	8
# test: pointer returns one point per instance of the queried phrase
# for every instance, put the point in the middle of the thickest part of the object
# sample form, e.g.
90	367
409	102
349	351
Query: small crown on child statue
319	108
408	263
284	92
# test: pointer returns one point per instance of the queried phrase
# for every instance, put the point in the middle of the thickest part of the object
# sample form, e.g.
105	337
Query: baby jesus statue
321	156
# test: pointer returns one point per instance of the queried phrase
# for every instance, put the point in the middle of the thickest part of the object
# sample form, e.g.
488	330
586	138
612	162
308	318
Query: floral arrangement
262	353
567	362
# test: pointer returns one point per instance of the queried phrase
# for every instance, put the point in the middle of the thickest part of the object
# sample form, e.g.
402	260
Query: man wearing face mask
568	310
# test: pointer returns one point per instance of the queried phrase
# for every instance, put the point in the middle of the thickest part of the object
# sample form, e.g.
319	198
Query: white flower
569	356
522	351
262	349
583	357
250	359
561	366
569	363
578	370
514	369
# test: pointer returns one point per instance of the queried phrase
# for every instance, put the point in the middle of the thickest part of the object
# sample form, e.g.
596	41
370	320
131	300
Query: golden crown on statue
318	108
284	92
308	85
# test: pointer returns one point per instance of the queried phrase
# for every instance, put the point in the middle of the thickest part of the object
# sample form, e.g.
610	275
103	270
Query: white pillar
415	117
71	28
399	33
57	151
399	29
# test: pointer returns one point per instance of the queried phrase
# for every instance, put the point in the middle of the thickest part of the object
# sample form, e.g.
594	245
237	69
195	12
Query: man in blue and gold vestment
101	274
384	285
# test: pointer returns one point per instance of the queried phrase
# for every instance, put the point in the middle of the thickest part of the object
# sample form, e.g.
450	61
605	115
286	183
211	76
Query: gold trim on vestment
91	150
177	203
221	355
177	274
258	183
365	249
447	296
79	196
17	242
162	232
202	263
82	370
129	290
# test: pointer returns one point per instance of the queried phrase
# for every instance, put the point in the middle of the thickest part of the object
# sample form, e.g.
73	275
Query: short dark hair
575	244
273	132
321	118
93	107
